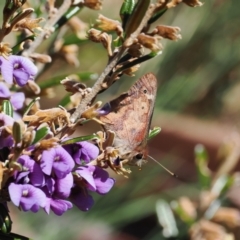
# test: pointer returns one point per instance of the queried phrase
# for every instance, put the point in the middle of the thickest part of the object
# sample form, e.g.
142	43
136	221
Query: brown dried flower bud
130	71
92	112
72	85
108	25
168	32
28	137
150	42
207	230
93	4
47	143
229	217
78	26
70	53
136	50
5	49
42	58
102	37
30	24
191	3
187	205
34	87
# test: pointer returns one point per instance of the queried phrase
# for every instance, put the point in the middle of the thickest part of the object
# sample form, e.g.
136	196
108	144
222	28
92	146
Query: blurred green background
198	102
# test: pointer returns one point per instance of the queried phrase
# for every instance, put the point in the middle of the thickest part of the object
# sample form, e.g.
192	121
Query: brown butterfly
130	119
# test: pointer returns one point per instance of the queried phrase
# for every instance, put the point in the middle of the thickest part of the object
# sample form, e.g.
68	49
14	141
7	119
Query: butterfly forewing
130	116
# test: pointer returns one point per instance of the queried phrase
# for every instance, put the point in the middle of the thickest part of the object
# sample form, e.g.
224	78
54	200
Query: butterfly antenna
171	173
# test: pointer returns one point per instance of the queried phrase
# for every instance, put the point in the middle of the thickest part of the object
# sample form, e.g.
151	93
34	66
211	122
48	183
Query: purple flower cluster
52	179
62	176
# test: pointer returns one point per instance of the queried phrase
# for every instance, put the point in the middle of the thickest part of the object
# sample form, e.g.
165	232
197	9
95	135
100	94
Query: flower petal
63	186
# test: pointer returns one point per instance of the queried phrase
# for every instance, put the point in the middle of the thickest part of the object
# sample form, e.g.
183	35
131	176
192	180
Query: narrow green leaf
7	108
56	80
80	139
12	236
17	132
157	15
64	101
68	15
136	17
40	134
154	132
222	185
28	108
126	10
204	174
166	219
185	217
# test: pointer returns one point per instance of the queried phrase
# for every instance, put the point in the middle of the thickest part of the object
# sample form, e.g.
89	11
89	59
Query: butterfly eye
139	156
145	91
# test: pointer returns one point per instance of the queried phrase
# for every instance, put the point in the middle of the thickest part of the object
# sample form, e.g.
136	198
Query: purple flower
82	151
31	172
16	99
17	68
82	199
96	178
57	160
63	186
27	196
4	91
58	206
6	140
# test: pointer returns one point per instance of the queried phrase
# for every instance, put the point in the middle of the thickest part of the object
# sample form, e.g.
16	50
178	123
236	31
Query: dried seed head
5	49
150	42
168	32
108	25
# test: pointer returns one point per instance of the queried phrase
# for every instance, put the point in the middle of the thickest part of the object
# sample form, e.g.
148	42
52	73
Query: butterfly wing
130	117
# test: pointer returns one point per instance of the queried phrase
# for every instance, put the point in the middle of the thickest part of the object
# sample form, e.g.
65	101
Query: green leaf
28	108
69	14
204	174
184	216
136	17
5	220
17	132
13	236
80	139
126	11
157	15
7	108
154	132
56	80
166	219
40	134
222	185
64	101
